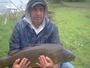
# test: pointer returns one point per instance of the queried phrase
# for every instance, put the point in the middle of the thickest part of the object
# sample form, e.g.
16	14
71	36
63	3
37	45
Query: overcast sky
16	3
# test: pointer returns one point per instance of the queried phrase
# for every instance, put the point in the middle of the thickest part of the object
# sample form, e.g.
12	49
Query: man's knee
67	65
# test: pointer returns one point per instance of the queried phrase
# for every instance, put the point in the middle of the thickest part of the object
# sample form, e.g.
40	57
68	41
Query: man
34	28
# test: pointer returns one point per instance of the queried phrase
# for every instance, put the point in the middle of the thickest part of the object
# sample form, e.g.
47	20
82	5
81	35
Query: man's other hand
45	62
23	64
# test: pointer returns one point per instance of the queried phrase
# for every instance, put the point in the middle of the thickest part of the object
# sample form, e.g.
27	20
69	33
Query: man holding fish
35	28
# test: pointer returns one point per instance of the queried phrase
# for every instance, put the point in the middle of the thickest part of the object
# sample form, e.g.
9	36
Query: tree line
58	1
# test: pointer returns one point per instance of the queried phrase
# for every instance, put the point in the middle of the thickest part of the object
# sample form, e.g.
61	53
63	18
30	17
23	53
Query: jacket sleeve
56	38
14	41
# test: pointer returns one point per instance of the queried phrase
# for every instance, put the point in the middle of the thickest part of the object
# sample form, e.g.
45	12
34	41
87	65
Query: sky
21	4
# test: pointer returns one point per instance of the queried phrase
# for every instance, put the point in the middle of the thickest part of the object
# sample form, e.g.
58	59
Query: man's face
37	14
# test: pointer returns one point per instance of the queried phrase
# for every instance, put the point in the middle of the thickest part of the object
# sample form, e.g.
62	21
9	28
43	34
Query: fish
56	52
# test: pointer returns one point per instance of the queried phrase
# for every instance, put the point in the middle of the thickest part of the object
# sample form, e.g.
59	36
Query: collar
41	27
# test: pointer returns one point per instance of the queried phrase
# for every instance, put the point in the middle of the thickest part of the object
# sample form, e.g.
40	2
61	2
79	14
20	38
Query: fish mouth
74	59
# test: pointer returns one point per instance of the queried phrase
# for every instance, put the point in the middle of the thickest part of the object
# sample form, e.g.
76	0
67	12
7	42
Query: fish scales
56	52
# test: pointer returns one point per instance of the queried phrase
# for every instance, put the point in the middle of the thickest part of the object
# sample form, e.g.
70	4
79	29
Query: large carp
56	52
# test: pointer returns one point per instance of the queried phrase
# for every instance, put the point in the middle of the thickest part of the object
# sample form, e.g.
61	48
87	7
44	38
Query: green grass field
73	21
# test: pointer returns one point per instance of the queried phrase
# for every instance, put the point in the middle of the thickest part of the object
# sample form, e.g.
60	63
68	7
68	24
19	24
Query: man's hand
22	64
45	62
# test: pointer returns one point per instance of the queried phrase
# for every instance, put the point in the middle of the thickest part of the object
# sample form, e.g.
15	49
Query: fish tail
1	65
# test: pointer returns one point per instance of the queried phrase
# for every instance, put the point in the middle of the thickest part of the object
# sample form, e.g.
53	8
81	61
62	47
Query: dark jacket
24	36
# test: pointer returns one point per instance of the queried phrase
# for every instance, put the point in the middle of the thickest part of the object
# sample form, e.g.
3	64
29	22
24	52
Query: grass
74	29
73	25
5	33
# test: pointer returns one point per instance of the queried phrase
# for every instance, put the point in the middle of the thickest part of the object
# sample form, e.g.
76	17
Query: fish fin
12	54
1	66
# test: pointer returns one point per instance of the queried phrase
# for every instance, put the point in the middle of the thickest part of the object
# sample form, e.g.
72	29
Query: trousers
67	65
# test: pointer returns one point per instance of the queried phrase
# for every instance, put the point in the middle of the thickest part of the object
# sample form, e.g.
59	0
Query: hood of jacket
29	4
27	13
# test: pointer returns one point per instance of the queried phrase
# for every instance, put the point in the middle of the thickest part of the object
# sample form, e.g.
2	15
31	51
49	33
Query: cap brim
36	3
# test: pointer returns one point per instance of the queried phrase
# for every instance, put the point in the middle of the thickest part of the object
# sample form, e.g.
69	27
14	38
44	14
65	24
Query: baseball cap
36	4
